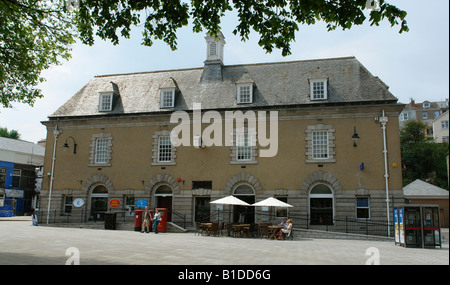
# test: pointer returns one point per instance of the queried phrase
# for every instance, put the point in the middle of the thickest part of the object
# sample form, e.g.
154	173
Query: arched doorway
244	214
99	202
321	205
163	199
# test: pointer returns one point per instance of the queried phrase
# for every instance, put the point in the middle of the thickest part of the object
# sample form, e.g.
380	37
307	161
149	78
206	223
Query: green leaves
37	34
276	21
33	36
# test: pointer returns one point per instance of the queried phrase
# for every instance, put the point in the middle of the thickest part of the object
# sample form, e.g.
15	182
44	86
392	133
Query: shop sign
78	202
114	203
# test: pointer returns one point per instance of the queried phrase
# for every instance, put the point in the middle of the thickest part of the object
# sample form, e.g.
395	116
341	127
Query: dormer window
108	97
426	104
105	102
167	99
244	93
318	89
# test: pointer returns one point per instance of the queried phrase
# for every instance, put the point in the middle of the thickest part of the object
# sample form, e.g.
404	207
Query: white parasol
230	200
272	202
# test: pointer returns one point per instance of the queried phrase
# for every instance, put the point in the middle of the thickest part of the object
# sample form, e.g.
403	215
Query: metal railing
337	224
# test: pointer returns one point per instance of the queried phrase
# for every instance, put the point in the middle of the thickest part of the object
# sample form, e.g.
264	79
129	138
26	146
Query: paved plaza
22	243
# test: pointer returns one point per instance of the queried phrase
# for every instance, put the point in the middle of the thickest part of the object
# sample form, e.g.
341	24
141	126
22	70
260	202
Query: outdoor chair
199	230
289	235
253	231
214	229
229	229
264	231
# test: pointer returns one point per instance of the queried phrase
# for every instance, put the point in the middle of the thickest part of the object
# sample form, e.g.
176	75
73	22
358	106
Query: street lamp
355	137
66	145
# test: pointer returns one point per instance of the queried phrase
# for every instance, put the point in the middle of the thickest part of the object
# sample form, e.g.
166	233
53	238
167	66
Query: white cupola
214	48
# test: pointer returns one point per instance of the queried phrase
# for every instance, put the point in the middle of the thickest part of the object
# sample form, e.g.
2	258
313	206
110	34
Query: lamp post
56	133
355	137
383	121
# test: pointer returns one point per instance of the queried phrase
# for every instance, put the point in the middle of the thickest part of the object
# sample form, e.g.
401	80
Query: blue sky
414	64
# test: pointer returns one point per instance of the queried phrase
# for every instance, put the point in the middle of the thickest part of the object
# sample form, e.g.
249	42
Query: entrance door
99	202
244	214
202	209
163	196
321	205
166	202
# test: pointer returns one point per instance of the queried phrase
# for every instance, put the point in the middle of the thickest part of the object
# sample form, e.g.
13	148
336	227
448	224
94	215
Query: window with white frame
105	102
167	98
320	145
424	115
426	104
404	116
362	208
318	89
244	94
164	149
101	149
244	149
163	152
444	125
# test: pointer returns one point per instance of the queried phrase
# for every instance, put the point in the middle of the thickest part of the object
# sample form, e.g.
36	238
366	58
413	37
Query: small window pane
318	90
167	98
101	151
244	94
165	149
244	150
105	102
320	145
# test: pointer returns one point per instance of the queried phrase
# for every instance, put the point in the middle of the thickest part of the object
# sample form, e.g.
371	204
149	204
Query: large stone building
333	150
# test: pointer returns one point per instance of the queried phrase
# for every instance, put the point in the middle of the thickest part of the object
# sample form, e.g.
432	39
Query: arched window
244	189
321	205
163	190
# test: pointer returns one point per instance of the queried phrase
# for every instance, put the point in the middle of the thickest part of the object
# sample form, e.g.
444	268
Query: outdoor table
204	227
274	230
240	228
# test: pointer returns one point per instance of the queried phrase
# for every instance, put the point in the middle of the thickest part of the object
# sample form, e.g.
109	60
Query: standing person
146	220
156	219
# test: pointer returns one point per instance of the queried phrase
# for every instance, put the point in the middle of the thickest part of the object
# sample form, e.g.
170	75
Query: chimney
412	103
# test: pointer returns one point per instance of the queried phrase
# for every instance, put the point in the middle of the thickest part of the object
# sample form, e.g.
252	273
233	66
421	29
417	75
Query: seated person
285	230
284	223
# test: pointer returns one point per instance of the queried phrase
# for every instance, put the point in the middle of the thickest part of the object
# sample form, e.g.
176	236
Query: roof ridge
228	66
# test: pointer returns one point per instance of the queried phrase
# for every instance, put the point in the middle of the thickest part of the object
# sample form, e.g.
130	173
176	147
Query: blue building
18	162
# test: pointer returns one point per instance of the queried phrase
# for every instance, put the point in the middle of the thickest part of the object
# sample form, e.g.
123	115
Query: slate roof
421	189
214	86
